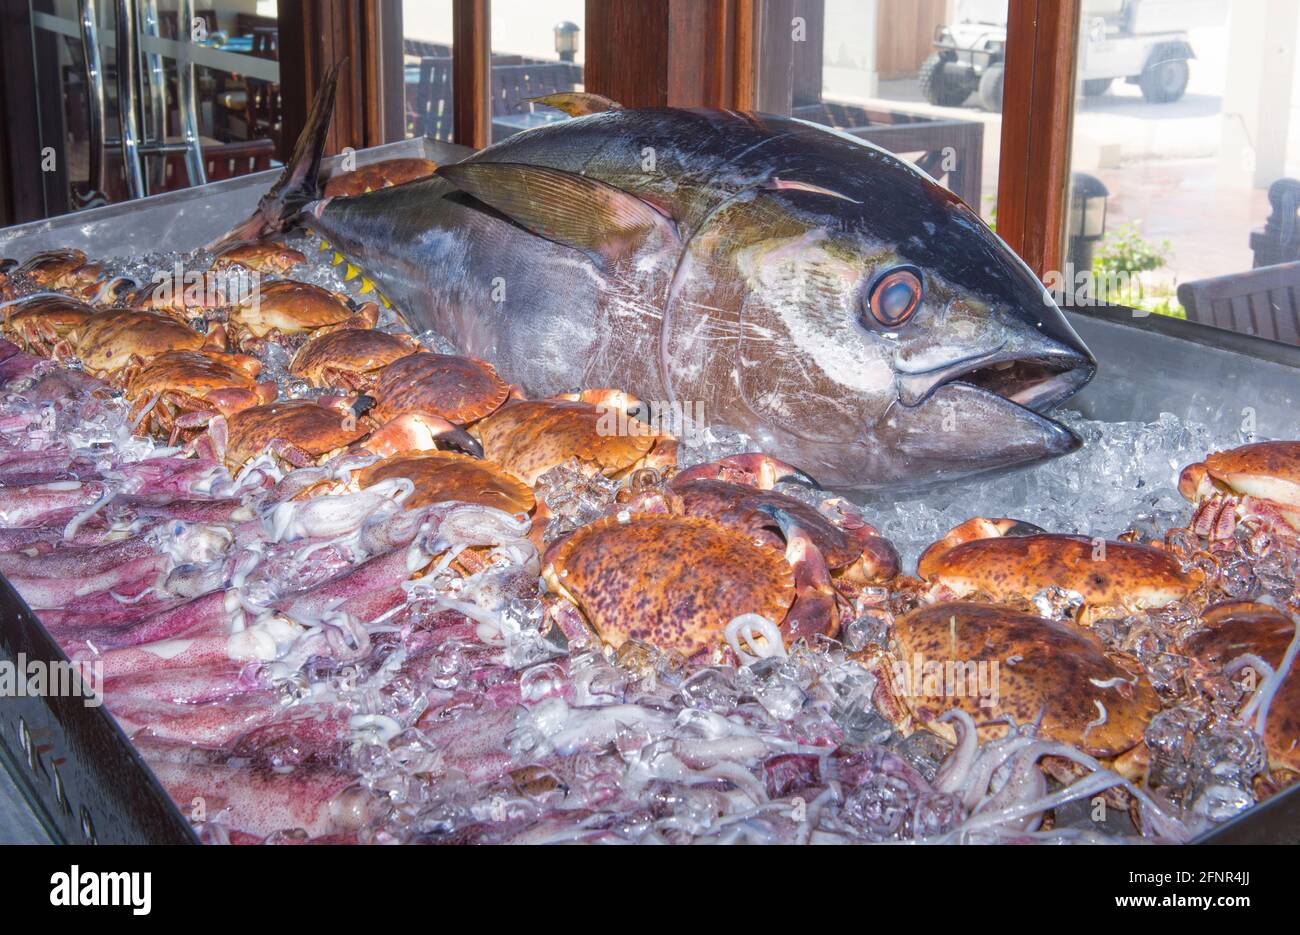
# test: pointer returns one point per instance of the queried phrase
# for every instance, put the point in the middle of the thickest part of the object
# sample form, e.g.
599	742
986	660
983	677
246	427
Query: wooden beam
315	36
627	50
471	82
742	73
1037	122
670	53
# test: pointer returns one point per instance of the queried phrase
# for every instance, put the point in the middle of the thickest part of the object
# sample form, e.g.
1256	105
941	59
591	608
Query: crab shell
383	174
297	430
1236	628
43	323
672	581
286	307
741	507
1037	668
1268	471
459	389
263	256
530	437
448	475
56	269
350	357
193	382
1106	574
116	340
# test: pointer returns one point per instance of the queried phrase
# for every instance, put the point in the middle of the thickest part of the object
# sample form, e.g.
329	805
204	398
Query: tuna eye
895	296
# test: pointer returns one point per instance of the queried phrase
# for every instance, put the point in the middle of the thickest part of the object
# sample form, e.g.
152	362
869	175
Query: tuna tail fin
298	185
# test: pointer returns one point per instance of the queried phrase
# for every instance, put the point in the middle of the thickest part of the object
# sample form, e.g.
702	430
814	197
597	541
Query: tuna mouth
1037	382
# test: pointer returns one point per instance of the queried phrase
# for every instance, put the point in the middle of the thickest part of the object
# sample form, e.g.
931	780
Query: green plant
1124	250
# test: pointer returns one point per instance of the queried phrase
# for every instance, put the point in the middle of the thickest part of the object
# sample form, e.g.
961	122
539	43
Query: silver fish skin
736	265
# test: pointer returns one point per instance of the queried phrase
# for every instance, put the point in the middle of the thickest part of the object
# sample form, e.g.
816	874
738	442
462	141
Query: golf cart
1142	41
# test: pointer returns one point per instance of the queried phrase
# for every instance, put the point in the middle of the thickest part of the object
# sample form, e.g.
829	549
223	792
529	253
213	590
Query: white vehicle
1142	41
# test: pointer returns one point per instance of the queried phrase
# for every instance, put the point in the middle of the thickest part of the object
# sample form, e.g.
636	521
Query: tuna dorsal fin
577	103
565	207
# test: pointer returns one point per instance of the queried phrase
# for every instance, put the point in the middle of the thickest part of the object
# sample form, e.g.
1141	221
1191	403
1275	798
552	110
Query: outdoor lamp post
566	40
1087	218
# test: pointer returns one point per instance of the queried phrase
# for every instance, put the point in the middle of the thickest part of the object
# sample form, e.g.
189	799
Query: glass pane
236	118
921	78
427	49
1184	126
536	50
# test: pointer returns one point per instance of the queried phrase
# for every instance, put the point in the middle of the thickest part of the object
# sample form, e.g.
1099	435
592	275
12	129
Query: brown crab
995	664
115	343
459	389
63	270
303	432
285	309
262	256
1007	560
351	358
530	437
47	325
382	174
448	475
675	582
1258	483
1237	635
297	432
180	391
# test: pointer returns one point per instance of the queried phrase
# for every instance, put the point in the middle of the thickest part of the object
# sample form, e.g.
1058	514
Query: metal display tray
86	782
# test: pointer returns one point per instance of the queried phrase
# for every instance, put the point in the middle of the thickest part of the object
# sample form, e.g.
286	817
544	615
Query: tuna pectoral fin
570	209
299	183
576	103
961	425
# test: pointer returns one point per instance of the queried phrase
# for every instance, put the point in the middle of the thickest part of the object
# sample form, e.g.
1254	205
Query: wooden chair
1278	241
431	114
512	85
1264	302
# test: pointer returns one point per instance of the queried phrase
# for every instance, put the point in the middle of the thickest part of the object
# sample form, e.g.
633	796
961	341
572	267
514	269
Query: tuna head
877	334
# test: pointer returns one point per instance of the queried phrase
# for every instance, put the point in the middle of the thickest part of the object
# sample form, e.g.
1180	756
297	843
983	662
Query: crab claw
753	468
815	608
1194	483
421	432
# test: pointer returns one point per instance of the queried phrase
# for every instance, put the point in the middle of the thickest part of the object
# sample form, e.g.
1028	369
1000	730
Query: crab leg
816	603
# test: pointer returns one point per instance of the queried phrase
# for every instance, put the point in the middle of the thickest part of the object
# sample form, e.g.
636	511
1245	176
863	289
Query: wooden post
471	63
670	53
1037	121
369	104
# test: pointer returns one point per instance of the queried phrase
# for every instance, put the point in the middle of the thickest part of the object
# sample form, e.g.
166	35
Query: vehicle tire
991	88
938	86
1164	82
1096	87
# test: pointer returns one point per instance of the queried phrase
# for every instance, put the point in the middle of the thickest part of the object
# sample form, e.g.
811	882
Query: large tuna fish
816	292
